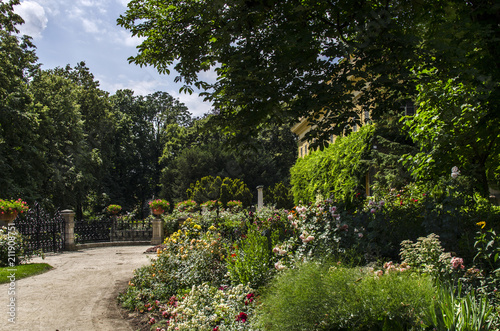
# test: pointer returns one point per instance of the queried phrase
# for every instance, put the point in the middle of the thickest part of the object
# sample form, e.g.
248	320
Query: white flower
279	266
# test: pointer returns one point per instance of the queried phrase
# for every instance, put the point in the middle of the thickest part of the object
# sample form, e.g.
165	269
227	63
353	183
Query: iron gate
43	231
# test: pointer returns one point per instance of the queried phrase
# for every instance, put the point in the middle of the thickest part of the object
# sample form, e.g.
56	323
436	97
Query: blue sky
70	31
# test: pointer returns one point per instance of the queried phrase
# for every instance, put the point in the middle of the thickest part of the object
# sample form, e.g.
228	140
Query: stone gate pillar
260	196
69	231
157	231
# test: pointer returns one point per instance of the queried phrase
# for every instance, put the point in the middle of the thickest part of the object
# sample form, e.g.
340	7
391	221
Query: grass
23	271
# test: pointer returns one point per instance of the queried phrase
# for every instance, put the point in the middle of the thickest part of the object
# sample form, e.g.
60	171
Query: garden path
78	294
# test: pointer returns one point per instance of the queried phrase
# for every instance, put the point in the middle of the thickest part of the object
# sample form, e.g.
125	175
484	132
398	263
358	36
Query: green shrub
314	296
249	260
13	247
319	231
428	256
221	189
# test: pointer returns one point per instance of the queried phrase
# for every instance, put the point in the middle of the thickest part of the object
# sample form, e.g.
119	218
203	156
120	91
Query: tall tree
325	61
20	173
62	140
281	61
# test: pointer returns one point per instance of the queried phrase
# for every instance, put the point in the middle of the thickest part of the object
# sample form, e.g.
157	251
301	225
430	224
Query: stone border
114	243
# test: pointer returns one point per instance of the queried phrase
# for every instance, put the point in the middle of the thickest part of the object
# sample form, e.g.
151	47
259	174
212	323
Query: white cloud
91	26
124	3
193	102
124	37
34	17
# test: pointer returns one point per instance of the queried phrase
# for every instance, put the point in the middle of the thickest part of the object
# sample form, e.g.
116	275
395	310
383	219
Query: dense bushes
316	296
220	189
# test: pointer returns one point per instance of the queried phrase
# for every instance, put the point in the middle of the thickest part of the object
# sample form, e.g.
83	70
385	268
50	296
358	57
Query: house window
355	128
409	108
366	116
301	152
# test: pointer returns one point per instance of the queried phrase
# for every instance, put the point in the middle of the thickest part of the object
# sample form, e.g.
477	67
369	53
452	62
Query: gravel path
79	294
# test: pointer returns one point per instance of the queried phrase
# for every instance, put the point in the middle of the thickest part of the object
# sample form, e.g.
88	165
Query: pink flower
379	273
457	262
152	321
360	235
290	217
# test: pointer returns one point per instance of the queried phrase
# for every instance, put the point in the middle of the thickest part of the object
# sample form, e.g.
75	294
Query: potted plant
158	206
186	206
9	209
235	205
211	205
114	209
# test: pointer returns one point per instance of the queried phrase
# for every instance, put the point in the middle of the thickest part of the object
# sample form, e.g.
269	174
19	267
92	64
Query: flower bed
301	262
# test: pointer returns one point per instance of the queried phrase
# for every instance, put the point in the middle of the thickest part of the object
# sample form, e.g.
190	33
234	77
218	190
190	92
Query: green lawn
23	271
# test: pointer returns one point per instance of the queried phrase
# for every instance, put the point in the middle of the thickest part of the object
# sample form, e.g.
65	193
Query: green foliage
249	260
339	170
454	311
427	255
488	250
279	195
13	247
449	209
223	190
314	296
454	127
319	231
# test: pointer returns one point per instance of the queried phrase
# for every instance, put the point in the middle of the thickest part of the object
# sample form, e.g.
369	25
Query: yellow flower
197	227
212	228
482	224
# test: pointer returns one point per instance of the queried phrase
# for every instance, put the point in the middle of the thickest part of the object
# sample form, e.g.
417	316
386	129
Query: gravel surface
79	293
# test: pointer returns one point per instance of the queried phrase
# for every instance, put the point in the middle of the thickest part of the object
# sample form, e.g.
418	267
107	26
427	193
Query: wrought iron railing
111	228
42	231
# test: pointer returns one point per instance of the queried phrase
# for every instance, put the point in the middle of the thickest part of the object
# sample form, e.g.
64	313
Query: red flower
242	317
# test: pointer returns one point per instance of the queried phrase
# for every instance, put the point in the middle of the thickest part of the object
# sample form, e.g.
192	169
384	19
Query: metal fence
112	228
43	231
94	230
